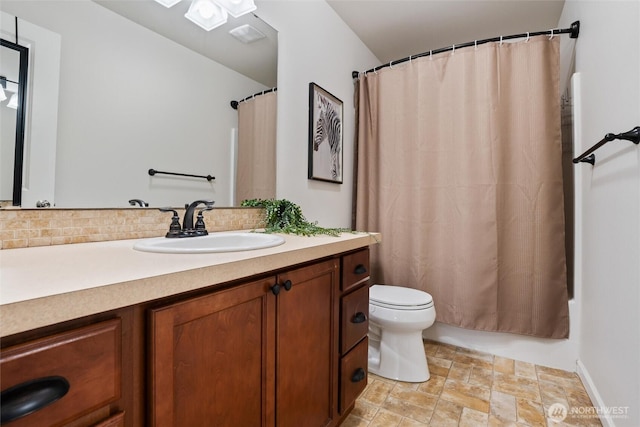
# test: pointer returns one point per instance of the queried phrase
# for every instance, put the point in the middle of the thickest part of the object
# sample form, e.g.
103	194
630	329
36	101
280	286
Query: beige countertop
45	285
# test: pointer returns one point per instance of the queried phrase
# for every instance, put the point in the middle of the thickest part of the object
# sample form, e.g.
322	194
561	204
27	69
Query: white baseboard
592	391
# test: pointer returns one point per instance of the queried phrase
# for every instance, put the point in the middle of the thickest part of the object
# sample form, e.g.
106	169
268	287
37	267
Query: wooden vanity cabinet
68	378
285	350
262	353
354	326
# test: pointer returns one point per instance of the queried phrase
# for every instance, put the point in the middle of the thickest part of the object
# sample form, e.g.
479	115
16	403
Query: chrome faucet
138	202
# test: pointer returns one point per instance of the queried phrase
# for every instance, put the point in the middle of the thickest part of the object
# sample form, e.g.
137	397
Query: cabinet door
212	359
307	347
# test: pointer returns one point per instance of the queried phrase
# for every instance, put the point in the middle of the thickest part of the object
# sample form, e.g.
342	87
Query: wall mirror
13	81
140	87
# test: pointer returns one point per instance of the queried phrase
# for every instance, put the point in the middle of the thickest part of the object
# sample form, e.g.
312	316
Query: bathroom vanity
257	338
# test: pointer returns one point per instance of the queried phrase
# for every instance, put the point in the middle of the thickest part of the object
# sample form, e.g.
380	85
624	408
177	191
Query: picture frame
325	136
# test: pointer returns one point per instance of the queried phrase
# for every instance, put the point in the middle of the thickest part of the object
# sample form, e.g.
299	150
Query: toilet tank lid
398	295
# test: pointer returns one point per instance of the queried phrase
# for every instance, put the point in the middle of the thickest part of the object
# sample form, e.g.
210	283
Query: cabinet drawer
353	374
88	359
354	318
355	269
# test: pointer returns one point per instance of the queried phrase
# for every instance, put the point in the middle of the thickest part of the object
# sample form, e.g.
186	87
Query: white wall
131	100
608	60
314	45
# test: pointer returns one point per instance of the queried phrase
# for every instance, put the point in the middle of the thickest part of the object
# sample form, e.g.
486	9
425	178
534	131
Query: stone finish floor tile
530	413
467	395
474	389
504	365
503	406
385	419
471	418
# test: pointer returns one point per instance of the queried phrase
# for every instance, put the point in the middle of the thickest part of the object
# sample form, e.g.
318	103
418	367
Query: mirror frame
18	161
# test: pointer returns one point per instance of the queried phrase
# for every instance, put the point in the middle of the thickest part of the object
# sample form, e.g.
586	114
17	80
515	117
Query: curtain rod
234	104
574	30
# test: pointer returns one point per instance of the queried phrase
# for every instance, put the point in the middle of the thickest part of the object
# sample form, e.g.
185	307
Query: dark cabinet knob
275	289
359	317
360	269
358	375
287	285
31	396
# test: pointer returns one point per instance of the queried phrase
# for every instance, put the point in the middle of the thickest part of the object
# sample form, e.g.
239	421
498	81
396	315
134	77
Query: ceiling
257	60
395	29
391	29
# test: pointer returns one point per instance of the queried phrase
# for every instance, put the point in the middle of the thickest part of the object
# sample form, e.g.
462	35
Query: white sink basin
215	242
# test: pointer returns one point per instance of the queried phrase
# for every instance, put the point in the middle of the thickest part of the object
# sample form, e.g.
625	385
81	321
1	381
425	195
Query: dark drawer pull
287	285
31	396
359	317
360	269
275	289
358	375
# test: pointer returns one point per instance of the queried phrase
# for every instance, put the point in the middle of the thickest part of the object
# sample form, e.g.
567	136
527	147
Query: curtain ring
375	71
409	59
527	40
475	45
391	64
500	40
453	49
551	35
431	55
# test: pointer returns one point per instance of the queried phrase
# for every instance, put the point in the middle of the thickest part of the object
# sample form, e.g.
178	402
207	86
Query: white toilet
397	317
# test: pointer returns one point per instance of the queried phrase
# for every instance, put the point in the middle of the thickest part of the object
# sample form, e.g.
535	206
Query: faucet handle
139	202
200	226
175	228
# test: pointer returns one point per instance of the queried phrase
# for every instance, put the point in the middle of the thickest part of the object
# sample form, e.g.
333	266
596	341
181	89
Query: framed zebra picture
325	135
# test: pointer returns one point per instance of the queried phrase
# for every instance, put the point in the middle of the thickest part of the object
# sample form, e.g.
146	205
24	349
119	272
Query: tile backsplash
21	228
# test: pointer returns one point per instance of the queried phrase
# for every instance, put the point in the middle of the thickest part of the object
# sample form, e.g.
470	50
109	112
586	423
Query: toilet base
398	356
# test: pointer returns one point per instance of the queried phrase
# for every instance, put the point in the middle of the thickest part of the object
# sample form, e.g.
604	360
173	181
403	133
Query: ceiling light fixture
168	3
206	14
247	34
3	85
237	8
13	102
210	14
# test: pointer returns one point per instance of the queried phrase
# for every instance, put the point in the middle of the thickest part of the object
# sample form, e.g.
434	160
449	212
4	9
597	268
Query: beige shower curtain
459	167
256	165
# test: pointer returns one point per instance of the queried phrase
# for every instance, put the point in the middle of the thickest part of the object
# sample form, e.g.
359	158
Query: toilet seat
399	298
